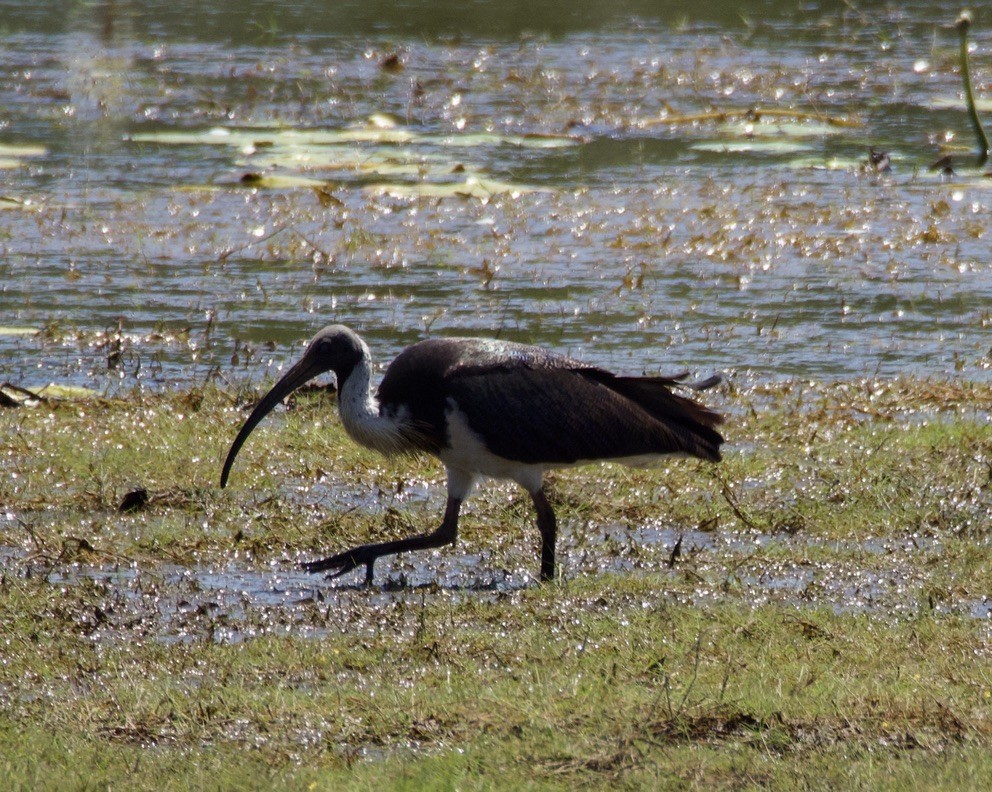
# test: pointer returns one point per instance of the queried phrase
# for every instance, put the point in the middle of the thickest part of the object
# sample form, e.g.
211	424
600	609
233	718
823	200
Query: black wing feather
533	406
561	416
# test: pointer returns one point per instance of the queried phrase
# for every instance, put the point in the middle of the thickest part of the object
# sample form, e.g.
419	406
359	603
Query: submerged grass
824	624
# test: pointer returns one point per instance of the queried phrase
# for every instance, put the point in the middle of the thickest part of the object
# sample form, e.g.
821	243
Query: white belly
468	456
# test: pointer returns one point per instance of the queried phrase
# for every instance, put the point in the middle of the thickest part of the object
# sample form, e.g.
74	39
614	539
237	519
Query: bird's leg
548	526
342	563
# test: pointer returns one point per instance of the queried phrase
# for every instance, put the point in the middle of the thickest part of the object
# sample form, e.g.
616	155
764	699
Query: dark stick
963	23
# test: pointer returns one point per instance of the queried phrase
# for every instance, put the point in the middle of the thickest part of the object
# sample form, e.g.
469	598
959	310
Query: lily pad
19	331
66	392
827	163
280	181
386	161
471	139
18	151
774	136
13	155
982	104
254	138
250	140
472	187
383	120
217	136
752	146
780	129
376	149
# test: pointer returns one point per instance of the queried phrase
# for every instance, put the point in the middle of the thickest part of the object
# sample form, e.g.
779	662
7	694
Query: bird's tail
696	422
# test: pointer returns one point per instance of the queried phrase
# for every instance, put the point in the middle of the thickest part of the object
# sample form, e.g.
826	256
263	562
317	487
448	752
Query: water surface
641	242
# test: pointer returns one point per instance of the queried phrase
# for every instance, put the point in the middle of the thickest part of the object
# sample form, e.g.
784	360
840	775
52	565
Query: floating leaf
13	155
377	148
12	151
54	391
216	136
983	105
279	181
250	138
383	120
773	136
471	139
778	128
755	146
15	396
472	187
753	115
351	159
828	163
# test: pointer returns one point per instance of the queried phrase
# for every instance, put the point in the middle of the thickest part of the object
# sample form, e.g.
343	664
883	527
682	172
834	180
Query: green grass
821	639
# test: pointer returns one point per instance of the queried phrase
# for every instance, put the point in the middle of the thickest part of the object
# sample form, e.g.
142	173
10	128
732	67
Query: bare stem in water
963	23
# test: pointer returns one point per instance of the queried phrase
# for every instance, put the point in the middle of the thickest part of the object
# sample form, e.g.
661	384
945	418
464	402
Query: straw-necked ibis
497	409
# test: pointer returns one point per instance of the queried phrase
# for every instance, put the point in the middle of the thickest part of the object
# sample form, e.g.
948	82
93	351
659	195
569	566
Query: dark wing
654	395
417	382
534	406
564	415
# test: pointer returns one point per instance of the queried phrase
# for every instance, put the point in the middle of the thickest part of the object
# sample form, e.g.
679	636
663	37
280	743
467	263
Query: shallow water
238	600
644	245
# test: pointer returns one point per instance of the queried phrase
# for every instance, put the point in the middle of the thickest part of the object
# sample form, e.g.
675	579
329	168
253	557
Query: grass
816	631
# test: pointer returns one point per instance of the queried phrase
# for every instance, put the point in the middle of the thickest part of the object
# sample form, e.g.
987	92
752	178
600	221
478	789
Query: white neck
360	414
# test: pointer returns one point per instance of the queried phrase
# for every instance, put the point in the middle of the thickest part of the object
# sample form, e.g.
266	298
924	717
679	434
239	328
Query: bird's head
335	348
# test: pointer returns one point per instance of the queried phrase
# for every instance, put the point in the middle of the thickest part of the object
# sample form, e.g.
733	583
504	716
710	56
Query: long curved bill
304	371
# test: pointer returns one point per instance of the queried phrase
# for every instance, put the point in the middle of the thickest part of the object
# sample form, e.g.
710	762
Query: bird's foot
343	563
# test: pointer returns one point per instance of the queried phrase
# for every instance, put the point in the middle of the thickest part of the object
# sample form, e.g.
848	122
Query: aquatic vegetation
13	155
829	598
370	151
963	25
189	199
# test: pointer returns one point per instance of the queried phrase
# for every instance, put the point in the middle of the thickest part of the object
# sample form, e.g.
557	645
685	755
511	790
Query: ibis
491	408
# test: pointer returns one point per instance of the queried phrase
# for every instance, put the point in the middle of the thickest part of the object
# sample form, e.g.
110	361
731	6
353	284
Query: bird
490	408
